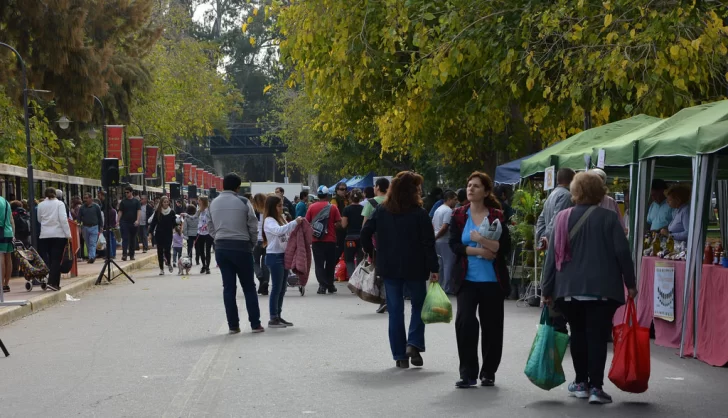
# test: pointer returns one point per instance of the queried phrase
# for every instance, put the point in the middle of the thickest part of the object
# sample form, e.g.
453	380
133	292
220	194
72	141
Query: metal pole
29	160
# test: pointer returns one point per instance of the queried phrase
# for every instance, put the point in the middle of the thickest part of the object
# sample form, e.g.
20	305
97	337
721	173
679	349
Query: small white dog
184	264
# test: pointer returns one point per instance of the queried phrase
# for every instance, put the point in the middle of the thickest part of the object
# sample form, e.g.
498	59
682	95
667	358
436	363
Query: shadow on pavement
393	377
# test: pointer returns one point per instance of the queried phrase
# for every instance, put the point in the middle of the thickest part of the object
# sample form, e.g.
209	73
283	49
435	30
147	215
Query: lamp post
29	161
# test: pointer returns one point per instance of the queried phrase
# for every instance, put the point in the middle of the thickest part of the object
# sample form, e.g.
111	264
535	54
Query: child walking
177	243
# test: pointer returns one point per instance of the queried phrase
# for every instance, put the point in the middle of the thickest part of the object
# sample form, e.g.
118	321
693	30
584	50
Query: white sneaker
161	272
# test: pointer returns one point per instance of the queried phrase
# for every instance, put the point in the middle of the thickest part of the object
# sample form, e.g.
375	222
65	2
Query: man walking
324	247
89	215
234	227
558	200
147	212
441	225
130	213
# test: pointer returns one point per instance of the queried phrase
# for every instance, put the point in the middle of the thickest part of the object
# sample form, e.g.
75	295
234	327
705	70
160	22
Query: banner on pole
208	179
115	142
664	294
136	156
193	174
219	183
152	156
187	173
201	178
169	169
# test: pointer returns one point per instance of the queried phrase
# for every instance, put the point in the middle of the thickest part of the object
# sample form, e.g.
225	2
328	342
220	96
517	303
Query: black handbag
67	260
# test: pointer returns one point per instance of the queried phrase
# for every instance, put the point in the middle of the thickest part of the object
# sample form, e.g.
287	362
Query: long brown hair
203	201
259	202
159	206
490	200
404	192
271	211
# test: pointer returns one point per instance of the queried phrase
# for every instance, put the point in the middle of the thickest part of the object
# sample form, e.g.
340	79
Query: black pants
51	250
324	257
340	243
203	248
164	251
190	244
591	324
128	238
353	254
485	300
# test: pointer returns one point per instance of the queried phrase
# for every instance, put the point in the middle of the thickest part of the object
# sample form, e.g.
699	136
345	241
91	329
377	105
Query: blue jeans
91	237
176	253
238	263
278	279
398	340
111	244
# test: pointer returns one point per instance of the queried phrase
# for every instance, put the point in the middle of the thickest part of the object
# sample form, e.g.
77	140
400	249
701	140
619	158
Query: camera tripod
107	257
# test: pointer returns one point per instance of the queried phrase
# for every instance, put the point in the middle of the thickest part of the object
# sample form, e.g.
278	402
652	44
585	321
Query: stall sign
549	178
664	295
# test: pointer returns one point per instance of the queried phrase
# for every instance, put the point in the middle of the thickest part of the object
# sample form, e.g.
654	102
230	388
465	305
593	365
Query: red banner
152	155
219	184
115	142
136	155
193	174
200	178
208	180
187	167
169	168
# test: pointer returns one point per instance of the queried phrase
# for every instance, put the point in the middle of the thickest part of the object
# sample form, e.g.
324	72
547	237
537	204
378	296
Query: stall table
712	323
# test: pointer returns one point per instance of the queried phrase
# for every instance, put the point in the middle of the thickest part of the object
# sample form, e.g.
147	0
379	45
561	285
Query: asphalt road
160	348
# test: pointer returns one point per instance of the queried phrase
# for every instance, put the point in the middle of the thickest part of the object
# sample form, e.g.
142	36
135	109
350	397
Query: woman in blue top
480	281
678	197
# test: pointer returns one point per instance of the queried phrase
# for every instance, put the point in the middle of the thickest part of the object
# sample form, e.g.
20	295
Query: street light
64	122
29	161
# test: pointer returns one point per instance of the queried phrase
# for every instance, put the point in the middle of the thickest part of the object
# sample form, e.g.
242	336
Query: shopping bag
67	258
340	270
630	369
101	243
543	367
365	283
437	307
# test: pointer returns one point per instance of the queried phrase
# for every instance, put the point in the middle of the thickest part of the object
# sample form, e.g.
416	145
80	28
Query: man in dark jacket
89	215
286	203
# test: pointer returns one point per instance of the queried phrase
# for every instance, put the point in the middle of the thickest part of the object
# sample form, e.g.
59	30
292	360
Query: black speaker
109	172
192	192
213	192
174	191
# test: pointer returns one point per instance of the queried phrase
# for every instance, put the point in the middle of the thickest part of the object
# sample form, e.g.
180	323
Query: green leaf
429	16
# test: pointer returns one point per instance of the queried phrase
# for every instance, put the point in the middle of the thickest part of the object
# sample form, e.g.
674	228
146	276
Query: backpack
320	223
22	225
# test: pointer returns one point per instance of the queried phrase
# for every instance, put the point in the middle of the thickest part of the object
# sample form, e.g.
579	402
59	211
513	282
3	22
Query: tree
474	80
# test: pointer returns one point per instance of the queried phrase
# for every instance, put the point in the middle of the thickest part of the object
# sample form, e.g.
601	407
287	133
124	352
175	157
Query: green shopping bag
437	307
543	367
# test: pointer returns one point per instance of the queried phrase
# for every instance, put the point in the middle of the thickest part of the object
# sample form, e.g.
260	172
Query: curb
49	299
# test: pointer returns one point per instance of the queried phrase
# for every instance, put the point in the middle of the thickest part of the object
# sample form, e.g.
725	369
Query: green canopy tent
570	152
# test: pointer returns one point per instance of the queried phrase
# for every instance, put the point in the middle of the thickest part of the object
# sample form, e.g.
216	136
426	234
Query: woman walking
204	239
351	222
275	239
585	275
162	227
261	270
405	259
55	234
190	231
481	282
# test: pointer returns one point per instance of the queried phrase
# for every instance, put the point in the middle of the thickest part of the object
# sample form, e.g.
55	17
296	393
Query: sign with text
664	303
549	182
151	167
187	173
169	169
136	156
200	178
115	142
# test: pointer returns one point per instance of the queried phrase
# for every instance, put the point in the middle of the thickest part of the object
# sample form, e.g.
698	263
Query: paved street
160	348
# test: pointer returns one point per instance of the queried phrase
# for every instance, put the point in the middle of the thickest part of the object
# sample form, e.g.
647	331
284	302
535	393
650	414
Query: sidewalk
39	299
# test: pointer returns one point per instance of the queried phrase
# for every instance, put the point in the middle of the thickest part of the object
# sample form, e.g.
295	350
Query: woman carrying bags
275	239
585	276
406	258
162	227
481	281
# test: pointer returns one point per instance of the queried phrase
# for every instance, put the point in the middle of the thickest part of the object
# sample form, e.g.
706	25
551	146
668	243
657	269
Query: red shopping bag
630	370
340	271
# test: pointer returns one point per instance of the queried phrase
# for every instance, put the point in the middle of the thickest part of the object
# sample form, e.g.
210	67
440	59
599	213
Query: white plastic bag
101	243
365	284
491	231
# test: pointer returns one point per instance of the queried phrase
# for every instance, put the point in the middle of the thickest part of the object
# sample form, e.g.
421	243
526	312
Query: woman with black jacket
480	280
162	227
406	258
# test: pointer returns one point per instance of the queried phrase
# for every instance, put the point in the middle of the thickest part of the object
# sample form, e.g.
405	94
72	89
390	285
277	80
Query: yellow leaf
252	41
680	83
245	27
546	91
726	76
632	33
255	12
675	52
267	88
607	20
529	83
696	44
250	19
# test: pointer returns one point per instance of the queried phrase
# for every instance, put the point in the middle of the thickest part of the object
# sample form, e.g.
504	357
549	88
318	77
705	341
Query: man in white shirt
441	225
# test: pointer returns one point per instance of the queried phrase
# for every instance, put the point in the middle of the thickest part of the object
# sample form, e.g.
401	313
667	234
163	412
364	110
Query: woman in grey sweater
585	274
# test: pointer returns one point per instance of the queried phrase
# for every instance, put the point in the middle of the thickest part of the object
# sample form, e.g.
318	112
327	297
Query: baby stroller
32	266
294	281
